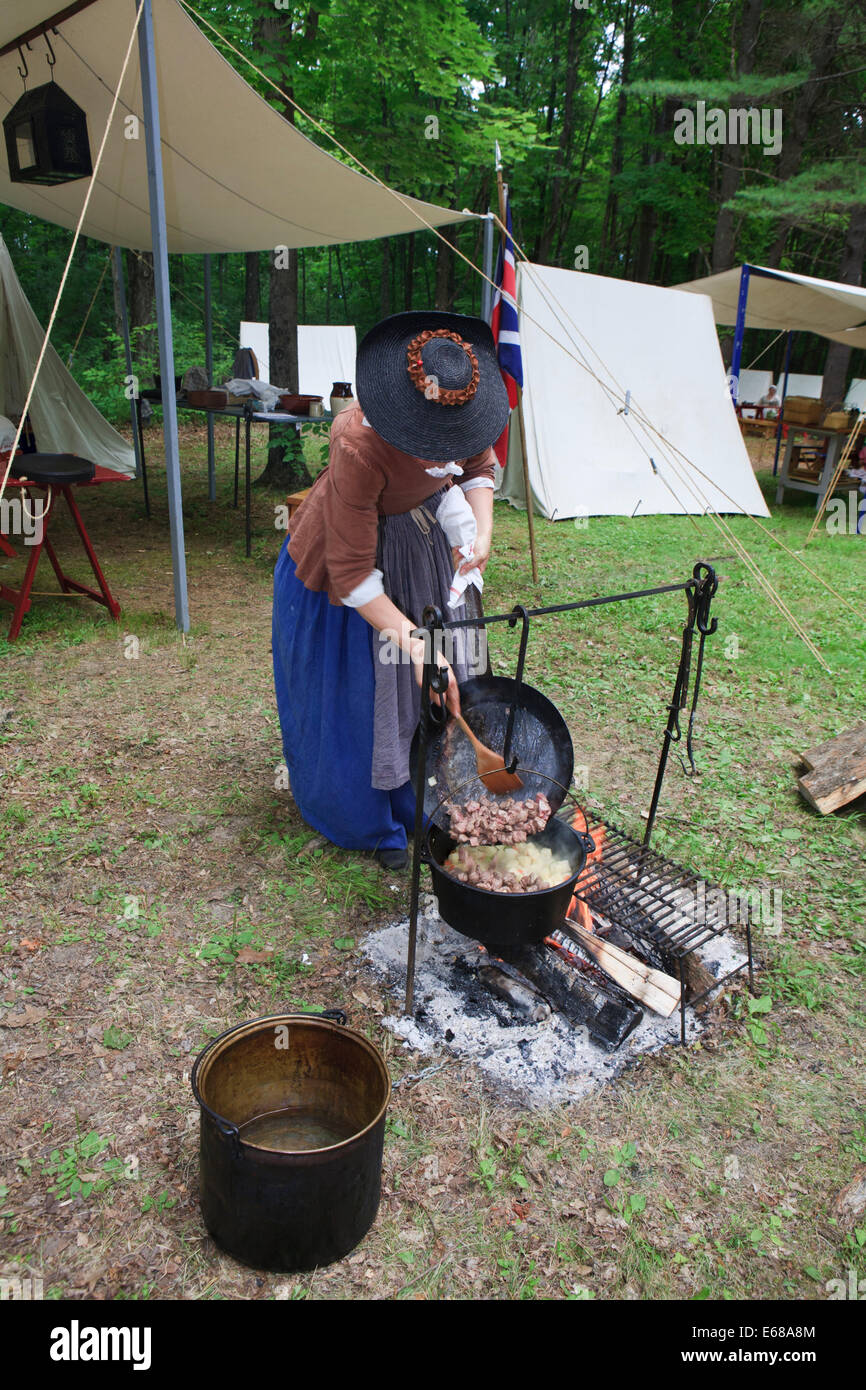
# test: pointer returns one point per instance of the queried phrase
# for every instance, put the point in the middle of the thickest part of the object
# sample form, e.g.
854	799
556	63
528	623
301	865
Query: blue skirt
325	687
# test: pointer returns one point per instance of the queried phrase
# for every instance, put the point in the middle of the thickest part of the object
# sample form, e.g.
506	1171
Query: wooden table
238	413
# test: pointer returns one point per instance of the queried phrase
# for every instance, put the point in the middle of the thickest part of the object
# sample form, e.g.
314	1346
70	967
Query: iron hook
26	73
707	582
50	57
518	611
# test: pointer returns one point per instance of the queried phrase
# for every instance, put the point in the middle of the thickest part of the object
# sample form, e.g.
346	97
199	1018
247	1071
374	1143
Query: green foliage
582	104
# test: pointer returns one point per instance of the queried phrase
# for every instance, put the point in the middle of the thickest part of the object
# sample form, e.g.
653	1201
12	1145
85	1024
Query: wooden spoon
491	768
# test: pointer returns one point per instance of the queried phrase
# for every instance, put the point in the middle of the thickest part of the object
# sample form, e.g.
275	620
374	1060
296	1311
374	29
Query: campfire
547	1020
576	975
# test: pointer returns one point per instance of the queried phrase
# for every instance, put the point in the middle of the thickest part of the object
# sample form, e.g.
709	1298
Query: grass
160	886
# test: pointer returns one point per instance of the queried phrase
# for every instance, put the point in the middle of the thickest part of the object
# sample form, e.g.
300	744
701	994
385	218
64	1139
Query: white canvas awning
782	300
237	176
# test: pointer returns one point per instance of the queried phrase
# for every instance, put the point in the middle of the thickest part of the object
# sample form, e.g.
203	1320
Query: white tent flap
585	455
752	385
326	353
802	384
64	420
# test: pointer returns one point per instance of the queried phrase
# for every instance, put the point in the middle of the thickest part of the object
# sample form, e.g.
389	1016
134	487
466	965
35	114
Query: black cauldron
507	919
292	1130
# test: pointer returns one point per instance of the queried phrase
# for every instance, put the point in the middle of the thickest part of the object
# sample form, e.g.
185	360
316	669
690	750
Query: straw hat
429	383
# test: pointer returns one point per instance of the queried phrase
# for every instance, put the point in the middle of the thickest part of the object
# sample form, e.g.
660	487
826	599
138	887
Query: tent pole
208	357
782	403
737	353
530	517
123	315
156	199
487	265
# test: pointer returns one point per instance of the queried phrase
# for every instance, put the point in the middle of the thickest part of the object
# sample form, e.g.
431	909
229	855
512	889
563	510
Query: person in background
403	510
772	403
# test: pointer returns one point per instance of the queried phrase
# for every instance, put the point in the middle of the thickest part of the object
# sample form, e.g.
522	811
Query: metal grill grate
664	908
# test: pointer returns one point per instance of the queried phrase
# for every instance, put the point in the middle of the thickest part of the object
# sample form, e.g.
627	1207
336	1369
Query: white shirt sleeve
476	482
366	591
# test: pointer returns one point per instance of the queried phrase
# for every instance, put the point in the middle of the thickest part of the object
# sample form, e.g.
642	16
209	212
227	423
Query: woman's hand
451	697
481	555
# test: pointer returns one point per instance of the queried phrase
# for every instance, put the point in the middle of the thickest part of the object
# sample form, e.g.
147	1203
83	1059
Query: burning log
658	991
508	984
575	988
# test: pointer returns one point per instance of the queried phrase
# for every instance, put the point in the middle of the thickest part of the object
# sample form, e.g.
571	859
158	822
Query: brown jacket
334	535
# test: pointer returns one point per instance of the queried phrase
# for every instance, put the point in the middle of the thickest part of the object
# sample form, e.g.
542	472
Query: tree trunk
385	279
607	250
142	312
576	29
285	469
409	273
850	273
252	287
822	53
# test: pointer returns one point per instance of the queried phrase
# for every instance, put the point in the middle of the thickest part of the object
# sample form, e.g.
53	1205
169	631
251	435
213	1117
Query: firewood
837	771
658	991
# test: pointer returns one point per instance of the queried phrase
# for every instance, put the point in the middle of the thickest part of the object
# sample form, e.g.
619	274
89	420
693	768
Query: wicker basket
801	410
839	419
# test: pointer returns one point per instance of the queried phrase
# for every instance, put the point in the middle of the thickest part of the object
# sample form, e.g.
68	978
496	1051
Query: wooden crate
800	410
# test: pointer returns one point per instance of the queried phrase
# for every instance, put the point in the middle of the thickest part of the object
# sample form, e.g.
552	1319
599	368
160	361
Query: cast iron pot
507	919
298	1209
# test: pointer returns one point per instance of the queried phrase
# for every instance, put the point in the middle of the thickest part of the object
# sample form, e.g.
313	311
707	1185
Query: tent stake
156	198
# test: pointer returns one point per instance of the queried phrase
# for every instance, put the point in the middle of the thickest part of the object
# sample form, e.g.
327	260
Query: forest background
583	98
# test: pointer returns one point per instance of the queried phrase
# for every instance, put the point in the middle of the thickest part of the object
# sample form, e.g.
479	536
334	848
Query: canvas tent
800	384
856	397
782	300
326	353
585	455
754	384
755	296
63	419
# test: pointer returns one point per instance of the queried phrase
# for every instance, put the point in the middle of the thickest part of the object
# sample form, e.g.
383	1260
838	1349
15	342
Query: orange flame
577	907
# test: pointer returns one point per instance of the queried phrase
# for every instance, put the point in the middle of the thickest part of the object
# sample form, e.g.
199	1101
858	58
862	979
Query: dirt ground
159	886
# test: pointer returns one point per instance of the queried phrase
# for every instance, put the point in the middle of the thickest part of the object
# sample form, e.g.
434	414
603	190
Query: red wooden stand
20	598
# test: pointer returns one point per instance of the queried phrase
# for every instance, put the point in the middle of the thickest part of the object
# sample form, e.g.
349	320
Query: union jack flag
505	328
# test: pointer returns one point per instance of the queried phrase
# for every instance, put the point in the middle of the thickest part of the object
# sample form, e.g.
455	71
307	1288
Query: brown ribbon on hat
422	382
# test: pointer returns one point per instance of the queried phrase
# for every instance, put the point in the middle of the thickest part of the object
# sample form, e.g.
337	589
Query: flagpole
530	517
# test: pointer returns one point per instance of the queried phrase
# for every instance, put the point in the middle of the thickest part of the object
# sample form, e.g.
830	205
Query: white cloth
458	521
366	591
262	390
7	433
445	471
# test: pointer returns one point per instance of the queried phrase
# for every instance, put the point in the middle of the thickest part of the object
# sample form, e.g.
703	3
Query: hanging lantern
46	138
